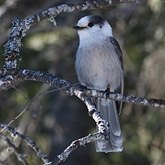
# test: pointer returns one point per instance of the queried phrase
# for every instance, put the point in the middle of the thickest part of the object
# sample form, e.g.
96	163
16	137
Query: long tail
108	112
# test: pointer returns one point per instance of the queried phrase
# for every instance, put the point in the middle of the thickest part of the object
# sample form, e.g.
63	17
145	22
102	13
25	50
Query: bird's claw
106	135
82	87
106	92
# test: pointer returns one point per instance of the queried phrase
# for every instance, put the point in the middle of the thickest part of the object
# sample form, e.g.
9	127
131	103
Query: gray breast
97	65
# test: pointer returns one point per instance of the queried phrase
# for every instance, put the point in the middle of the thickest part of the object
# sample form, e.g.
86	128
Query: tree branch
19	27
157	103
76	144
102	125
60	158
30	142
11	76
11	79
20	156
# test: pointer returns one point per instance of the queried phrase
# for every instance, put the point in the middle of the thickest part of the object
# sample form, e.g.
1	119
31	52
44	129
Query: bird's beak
78	27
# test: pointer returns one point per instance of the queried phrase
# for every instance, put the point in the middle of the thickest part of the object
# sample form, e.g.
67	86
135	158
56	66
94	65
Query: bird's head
92	25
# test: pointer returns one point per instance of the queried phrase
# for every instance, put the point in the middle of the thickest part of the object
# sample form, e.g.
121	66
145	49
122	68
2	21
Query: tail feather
108	112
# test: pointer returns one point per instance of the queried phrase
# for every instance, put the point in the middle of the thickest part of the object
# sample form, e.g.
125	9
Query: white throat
95	32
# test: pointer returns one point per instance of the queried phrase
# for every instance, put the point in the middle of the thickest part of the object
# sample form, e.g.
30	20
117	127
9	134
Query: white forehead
83	22
104	30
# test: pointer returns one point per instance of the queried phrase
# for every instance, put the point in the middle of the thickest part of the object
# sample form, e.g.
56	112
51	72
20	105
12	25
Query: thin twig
44	77
20	27
29	141
157	103
20	156
102	125
30	101
76	144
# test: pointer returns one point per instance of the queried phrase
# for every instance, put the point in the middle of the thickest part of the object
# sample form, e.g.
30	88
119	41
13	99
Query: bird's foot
106	135
82	87
106	92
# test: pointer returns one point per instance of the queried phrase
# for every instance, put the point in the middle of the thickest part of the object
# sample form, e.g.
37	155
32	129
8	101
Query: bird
99	66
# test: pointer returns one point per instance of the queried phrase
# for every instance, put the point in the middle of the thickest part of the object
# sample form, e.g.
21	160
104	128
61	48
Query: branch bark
11	79
29	141
11	76
76	144
20	27
11	148
40	154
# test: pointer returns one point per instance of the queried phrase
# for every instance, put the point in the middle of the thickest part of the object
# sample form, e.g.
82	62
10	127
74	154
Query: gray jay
99	66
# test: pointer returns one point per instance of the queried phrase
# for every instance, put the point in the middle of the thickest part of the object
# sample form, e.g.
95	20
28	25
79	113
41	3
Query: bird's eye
90	24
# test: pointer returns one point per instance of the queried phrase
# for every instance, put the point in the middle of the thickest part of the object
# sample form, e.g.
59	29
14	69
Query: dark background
54	120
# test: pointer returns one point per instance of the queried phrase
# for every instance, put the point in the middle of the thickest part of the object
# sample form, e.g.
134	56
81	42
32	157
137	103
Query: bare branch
76	144
102	125
20	156
25	74
129	99
11	76
30	142
60	158
18	31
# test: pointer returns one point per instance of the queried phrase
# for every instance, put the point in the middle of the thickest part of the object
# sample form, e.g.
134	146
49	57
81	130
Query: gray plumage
99	66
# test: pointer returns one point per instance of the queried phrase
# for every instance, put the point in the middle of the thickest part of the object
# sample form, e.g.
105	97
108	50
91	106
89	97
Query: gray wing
118	51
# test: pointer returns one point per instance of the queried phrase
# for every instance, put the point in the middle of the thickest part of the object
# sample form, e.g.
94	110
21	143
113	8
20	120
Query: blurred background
54	120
